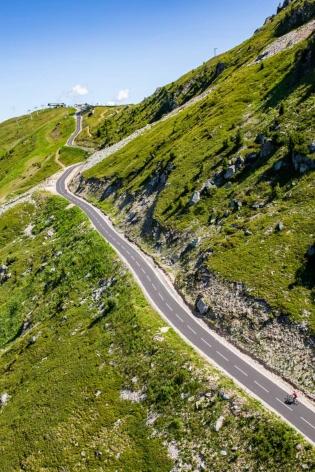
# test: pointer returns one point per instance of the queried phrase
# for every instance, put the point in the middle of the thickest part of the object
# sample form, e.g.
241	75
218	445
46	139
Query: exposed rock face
302	163
195	198
296	17
230	171
201	306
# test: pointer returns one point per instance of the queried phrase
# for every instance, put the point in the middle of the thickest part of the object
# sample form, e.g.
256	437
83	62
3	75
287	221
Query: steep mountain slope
92	380
28	146
222	194
114	123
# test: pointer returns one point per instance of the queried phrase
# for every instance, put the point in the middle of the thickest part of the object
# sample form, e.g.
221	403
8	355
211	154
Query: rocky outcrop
302	164
4	274
287	41
287	348
295	16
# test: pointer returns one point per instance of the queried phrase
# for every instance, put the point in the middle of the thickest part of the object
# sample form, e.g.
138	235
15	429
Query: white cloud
123	95
80	90
111	103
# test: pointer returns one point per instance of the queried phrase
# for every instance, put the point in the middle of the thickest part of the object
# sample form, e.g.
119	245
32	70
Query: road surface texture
189	327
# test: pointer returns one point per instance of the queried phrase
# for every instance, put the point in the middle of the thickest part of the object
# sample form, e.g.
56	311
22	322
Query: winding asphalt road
77	130
158	292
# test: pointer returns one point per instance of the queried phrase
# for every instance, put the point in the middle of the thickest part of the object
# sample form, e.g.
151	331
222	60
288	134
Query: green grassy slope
110	127
75	332
237	217
72	155
28	145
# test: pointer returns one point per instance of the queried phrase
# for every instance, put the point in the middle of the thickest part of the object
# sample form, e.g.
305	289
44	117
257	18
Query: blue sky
105	50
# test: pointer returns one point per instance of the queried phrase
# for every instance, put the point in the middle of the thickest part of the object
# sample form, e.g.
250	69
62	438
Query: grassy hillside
255	124
99	126
80	344
223	195
114	123
28	146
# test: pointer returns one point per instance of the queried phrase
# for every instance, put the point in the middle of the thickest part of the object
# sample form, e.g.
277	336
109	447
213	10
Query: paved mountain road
77	131
157	290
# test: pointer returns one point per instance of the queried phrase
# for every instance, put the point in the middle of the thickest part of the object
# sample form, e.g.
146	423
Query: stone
266	149
4	398
279	226
312	147
236	205
32	340
248	232
195	198
219	423
225	396
201	306
260	139
4	274
302	163
223	452
98	454
230	171
239	162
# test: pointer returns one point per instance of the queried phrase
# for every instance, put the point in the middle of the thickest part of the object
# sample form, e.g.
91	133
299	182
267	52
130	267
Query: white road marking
238	368
206	342
220	354
169	307
181	319
261	386
192	330
133	258
149	278
161	297
303	419
154	287
137	263
142	269
284	404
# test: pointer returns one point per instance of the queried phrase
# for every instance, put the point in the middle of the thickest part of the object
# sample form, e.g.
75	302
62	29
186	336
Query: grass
28	146
65	372
72	155
276	99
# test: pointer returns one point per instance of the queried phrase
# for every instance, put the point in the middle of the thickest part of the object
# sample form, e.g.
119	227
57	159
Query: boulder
302	163
195	198
219	423
4	274
201	306
239	163
260	139
230	171
236	205
4	398
266	149
279	226
225	396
